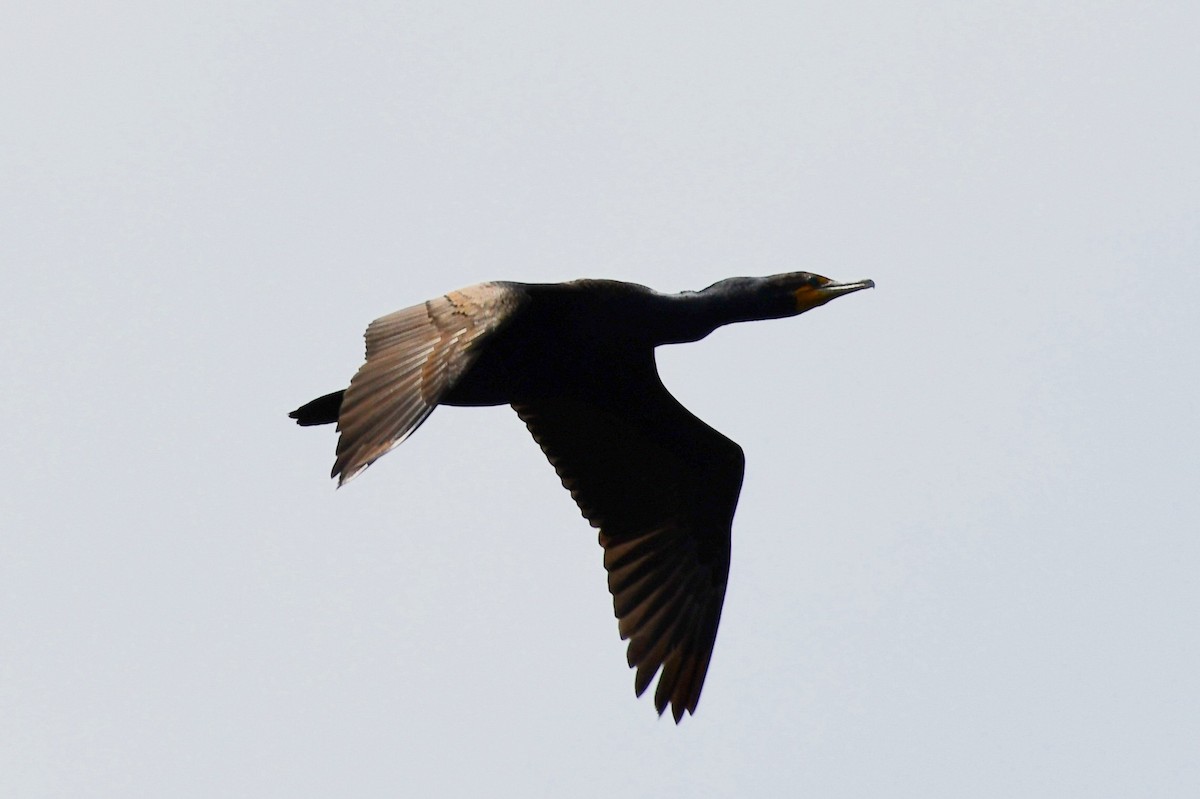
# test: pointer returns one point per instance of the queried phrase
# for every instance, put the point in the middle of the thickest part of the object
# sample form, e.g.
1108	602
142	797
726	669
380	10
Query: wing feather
662	487
413	357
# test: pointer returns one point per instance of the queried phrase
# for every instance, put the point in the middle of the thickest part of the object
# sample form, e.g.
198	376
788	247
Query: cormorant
576	362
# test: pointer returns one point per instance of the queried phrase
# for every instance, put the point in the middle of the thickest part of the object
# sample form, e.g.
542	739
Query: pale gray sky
965	557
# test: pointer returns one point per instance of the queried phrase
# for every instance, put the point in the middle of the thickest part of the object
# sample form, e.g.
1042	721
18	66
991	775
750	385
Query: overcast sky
965	559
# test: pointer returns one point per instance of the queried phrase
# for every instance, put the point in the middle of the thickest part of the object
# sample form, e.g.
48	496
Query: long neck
692	315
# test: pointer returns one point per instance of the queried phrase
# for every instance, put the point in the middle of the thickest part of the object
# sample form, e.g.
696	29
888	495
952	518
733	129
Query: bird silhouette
576	362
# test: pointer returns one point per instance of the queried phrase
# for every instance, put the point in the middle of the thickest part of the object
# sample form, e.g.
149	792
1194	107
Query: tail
322	410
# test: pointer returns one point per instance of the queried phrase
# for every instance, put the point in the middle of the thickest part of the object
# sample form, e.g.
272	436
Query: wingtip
344	473
678	711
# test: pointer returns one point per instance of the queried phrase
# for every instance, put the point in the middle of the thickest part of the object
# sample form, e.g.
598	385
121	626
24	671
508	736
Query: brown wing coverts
413	357
662	487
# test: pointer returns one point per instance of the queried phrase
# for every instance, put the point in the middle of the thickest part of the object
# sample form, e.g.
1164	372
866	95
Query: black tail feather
322	410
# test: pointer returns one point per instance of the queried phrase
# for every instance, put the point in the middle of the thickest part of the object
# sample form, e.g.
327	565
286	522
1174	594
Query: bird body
576	362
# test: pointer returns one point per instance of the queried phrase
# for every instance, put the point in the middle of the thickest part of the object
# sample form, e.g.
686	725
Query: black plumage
576	362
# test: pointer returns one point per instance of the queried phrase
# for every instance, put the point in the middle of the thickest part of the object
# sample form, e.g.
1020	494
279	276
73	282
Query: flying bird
576	362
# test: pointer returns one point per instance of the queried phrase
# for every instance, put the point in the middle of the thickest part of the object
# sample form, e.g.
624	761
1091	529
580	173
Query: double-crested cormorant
576	362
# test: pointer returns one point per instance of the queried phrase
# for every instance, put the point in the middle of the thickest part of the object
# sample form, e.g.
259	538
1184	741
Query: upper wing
413	357
662	487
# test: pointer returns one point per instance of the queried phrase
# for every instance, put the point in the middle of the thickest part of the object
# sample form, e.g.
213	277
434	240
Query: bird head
748	299
806	291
